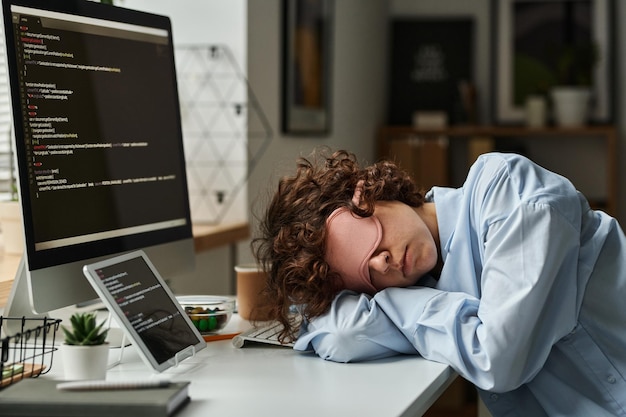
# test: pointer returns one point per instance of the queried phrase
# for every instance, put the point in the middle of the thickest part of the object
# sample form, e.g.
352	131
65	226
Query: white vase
536	109
85	362
571	105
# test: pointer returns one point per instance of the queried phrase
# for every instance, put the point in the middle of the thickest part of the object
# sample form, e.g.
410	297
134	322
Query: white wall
202	22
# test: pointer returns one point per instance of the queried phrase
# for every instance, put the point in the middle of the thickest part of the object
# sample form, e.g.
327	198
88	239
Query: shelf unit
480	139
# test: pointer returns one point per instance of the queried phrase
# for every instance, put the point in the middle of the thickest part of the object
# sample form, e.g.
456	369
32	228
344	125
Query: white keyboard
267	334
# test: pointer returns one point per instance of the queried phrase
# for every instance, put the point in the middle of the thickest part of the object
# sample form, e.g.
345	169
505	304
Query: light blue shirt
530	305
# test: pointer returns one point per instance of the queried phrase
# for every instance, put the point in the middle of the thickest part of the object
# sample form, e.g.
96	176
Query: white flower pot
571	105
85	362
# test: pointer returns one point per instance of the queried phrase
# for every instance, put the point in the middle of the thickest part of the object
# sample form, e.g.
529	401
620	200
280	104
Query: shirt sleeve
354	329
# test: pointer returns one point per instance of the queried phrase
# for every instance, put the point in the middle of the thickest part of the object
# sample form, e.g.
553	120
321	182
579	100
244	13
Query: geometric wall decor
224	130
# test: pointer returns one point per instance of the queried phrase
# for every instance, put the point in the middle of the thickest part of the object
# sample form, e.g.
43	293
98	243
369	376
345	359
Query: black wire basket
28	352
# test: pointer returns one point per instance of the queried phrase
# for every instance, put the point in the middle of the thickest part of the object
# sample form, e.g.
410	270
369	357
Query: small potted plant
85	353
574	74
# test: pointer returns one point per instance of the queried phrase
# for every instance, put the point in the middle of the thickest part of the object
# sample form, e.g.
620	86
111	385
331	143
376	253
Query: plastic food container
208	313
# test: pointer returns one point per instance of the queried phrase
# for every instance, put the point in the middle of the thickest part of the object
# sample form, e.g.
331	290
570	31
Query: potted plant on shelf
85	353
572	93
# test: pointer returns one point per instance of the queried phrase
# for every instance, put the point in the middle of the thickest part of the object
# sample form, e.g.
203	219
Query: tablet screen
133	290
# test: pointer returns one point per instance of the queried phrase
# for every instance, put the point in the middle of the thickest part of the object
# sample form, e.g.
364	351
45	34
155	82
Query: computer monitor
98	143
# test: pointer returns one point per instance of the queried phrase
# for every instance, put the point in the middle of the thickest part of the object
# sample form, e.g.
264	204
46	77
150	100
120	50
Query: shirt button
494	397
611	379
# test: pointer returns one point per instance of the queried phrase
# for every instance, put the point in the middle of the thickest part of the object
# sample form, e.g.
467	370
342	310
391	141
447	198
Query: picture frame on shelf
306	54
431	68
534	40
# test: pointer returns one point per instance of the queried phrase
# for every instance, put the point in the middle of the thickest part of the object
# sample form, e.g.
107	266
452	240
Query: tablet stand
122	344
178	358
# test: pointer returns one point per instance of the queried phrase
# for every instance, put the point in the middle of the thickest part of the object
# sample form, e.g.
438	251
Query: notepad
39	397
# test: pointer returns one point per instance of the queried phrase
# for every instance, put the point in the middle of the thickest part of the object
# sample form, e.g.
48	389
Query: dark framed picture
541	44
306	66
431	60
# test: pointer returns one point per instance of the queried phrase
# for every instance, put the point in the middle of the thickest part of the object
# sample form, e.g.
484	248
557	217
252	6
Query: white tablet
132	289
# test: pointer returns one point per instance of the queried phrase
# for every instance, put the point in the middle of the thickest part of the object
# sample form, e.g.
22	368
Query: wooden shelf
500	131
606	133
212	236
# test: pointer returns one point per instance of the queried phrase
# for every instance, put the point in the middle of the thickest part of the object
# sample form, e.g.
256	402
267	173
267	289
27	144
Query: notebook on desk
40	397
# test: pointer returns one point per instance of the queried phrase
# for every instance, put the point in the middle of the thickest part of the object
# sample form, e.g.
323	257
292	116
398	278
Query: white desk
277	381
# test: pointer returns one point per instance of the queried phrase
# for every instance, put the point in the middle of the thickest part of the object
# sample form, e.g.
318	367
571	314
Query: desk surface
278	381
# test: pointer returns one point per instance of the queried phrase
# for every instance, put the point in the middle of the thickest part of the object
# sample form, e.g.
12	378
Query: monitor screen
98	141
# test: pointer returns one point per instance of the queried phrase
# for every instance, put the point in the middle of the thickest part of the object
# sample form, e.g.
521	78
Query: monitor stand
19	304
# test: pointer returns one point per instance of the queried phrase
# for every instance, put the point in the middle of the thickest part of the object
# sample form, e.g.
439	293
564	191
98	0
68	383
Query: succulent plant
85	330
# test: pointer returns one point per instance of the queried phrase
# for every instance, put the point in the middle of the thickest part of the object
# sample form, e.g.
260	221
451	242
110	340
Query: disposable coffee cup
252	304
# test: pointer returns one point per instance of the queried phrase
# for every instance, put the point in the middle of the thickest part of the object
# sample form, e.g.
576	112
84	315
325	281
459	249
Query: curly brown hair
291	245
